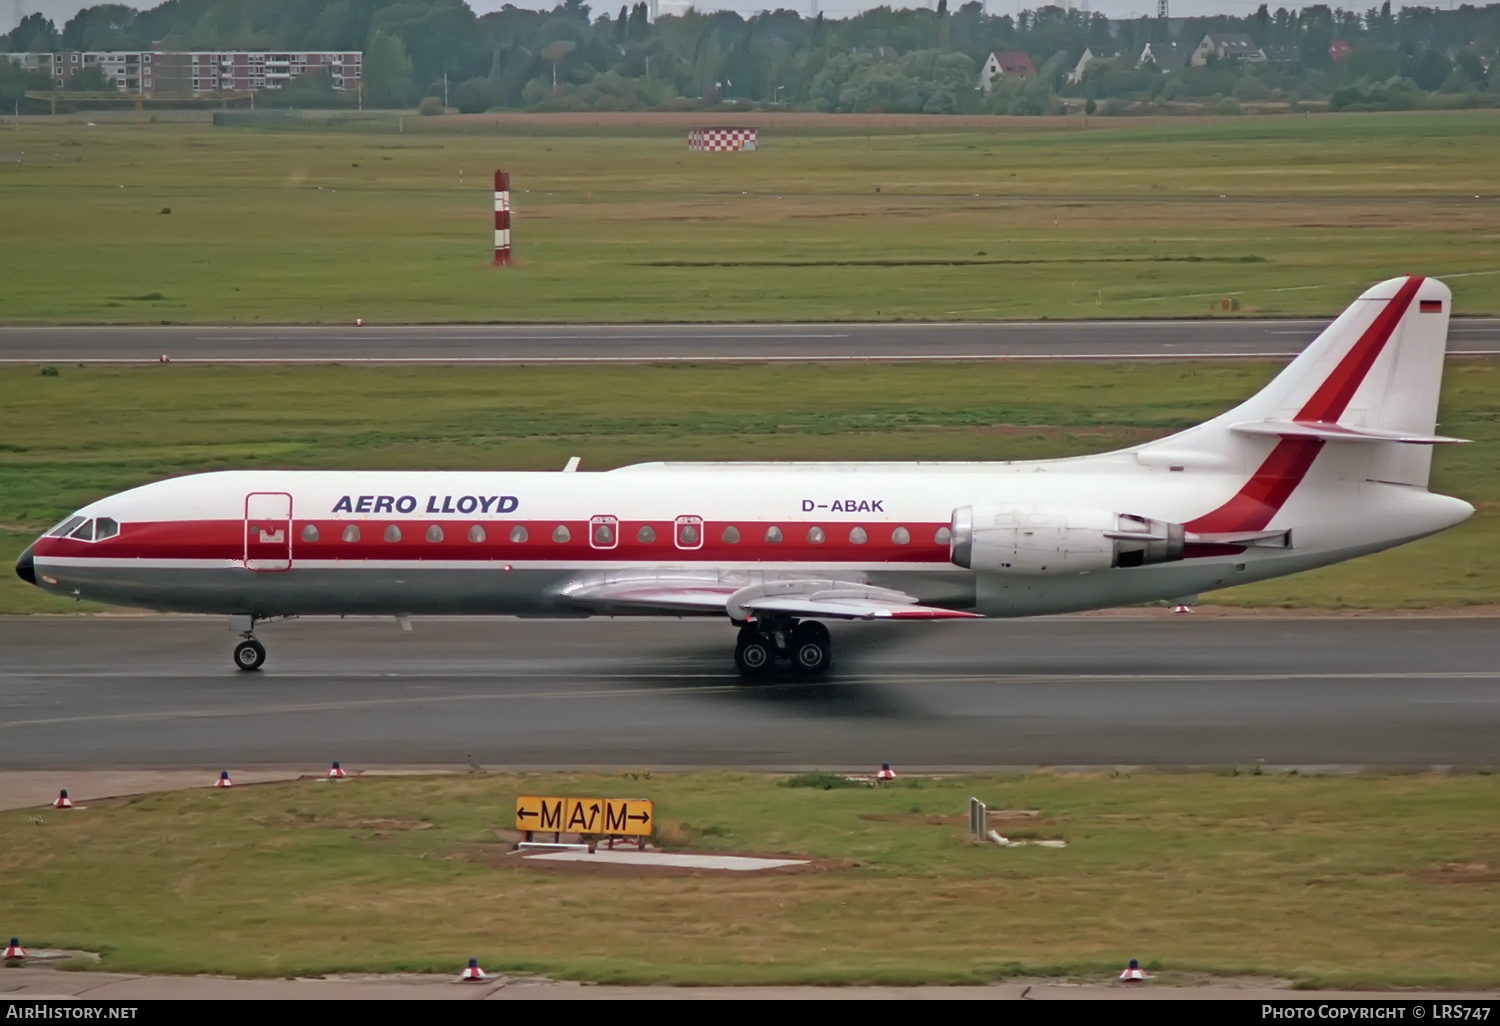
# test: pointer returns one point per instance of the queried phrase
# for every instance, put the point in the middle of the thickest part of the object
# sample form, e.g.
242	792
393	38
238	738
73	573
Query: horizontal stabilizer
1337	432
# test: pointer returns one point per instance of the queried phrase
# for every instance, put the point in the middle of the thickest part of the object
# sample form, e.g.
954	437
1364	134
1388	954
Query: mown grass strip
1327	880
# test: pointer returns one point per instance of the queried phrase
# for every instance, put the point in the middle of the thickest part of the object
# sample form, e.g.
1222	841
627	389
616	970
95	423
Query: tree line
909	60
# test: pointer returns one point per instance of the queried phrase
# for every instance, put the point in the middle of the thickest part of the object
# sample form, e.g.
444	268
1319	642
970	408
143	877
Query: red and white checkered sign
725	140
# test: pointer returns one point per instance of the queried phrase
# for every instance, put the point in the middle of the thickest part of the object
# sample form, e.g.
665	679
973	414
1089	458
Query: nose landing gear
249	654
806	645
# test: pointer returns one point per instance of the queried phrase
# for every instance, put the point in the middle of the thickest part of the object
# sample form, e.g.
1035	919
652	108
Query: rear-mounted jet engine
999	539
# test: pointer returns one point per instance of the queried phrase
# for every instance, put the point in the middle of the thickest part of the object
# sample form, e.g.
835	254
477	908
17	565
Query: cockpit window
104	528
85	532
65	528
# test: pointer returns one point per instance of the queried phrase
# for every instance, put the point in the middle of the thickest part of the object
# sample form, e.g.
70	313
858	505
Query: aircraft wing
841	600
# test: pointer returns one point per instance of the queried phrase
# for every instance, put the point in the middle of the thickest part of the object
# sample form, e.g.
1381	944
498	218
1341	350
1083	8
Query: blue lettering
876	507
473	504
383	503
448	504
486	501
432	504
808	506
364	504
864	506
406	504
508	504
837	506
343	505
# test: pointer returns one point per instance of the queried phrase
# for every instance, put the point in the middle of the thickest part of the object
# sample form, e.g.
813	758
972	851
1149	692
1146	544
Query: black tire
812	649
753	656
249	655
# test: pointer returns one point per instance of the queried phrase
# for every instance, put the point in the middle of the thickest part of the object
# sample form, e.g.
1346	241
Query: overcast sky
61	10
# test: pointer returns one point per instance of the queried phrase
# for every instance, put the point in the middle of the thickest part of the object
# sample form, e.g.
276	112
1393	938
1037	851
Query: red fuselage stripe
226	540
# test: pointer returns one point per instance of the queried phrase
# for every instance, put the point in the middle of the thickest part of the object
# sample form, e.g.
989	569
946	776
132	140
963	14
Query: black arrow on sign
643	817
522	814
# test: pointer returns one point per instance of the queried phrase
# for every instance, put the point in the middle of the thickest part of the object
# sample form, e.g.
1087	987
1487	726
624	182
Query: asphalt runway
105	692
1119	340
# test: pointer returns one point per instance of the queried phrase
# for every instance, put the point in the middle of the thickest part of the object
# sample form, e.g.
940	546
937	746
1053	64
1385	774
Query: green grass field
1280	215
92	431
1331	881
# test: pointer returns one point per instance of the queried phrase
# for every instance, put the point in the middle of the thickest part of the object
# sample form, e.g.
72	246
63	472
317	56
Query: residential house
1090	55
1165	57
1227	46
1005	64
1286	55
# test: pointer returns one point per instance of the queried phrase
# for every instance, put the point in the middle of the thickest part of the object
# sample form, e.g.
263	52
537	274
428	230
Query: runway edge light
1132	973
335	772
886	773
63	801
13	951
224	780
473	972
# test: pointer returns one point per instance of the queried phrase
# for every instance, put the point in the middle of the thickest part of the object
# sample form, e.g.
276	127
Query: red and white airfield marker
13	951
63	801
502	218
886	773
473	972
1132	973
335	772
223	780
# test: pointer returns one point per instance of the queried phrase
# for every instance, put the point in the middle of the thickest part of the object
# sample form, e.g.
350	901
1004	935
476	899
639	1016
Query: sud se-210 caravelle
1328	462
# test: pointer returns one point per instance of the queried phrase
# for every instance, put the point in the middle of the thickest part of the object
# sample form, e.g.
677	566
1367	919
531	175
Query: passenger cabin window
943	536
476	534
815	535
518	534
900	536
646	535
689	532
310	533
858	536
731	535
561	534
351	533
773	535
604	532
434	533
393	533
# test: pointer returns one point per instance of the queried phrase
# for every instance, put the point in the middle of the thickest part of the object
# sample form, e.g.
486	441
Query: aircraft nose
26	567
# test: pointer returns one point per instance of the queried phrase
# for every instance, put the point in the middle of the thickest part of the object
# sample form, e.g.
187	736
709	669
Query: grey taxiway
1189	690
1041	340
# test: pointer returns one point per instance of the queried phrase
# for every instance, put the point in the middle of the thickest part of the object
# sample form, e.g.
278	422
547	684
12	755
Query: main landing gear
806	645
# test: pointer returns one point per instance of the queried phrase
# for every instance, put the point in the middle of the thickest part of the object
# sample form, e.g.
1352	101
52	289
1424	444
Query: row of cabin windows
688	535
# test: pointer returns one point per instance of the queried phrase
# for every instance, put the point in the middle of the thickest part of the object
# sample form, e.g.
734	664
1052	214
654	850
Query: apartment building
165	74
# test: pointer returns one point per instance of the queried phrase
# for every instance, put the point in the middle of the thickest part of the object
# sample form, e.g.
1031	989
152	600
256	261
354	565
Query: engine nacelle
1010	540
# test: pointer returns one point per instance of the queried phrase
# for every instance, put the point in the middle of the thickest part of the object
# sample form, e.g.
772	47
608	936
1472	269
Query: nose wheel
806	645
249	654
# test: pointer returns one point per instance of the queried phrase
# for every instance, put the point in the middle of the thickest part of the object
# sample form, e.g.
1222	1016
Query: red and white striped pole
502	218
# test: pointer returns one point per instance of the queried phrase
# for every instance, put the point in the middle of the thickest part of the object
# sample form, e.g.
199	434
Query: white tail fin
1372	377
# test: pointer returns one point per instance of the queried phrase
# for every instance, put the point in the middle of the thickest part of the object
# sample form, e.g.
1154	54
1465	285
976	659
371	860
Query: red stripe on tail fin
1273	482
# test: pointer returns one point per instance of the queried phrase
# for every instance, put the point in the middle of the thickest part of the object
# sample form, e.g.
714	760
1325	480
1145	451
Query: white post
977	813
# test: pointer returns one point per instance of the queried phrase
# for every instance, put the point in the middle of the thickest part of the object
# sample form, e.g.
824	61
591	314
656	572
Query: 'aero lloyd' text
464	504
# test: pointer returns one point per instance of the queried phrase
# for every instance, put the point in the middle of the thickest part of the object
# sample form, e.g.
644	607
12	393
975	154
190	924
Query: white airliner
1328	462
